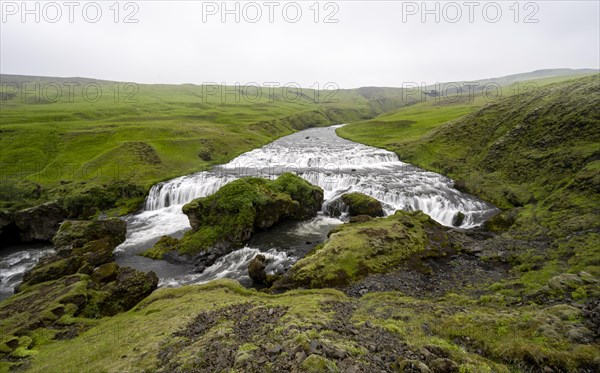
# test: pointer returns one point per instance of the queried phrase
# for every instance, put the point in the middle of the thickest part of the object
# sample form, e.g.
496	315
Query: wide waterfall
321	157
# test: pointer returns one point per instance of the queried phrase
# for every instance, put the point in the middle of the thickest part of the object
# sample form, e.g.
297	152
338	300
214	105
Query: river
318	155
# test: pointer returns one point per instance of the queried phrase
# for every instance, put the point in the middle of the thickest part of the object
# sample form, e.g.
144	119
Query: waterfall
322	158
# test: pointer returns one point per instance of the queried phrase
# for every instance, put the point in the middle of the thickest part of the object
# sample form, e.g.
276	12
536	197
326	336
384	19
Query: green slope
536	155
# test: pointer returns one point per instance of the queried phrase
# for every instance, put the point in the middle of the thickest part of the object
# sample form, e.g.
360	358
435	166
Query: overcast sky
369	45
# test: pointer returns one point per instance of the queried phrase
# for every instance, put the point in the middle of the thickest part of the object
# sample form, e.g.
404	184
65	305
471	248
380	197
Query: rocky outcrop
85	248
361	204
39	223
227	219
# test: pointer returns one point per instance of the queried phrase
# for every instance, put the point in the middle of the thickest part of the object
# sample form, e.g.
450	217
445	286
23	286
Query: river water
318	155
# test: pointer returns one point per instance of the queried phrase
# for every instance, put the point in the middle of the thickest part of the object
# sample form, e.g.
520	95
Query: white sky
370	45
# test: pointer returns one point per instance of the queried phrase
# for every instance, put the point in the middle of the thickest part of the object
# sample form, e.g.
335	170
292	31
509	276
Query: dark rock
39	223
458	219
443	366
76	233
274	349
51	271
132	286
106	273
414	366
256	269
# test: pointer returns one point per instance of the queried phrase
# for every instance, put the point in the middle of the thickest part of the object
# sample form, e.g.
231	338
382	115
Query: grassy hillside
396	128
138	135
536	155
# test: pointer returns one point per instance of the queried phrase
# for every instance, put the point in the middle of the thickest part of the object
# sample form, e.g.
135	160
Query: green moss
535	155
355	250
318	364
164	245
361	204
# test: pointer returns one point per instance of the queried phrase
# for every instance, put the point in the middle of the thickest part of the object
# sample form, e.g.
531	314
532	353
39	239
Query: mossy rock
355	250
97	252
52	271
164	245
361	204
228	218
502	221
256	269
77	233
106	273
318	364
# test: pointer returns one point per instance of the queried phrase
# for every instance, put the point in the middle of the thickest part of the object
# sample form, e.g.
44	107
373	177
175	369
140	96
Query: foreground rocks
81	280
227	219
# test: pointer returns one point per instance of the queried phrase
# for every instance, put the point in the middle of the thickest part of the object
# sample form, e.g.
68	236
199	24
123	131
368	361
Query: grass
147	338
397	128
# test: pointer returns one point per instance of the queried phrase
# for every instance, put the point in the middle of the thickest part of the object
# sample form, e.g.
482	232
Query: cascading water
15	261
321	157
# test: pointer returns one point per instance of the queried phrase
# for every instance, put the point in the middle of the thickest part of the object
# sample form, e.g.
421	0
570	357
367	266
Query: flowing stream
318	155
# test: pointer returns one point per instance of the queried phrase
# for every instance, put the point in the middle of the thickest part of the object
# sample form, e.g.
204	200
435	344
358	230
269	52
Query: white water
15	261
318	155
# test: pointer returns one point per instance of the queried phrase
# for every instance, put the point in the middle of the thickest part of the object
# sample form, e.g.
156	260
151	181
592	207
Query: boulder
443	366
76	233
458	219
132	286
227	219
39	223
105	273
81	246
361	204
256	269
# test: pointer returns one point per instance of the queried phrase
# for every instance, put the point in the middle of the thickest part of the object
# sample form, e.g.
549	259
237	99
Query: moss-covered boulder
355	250
64	292
77	233
361	204
228	218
